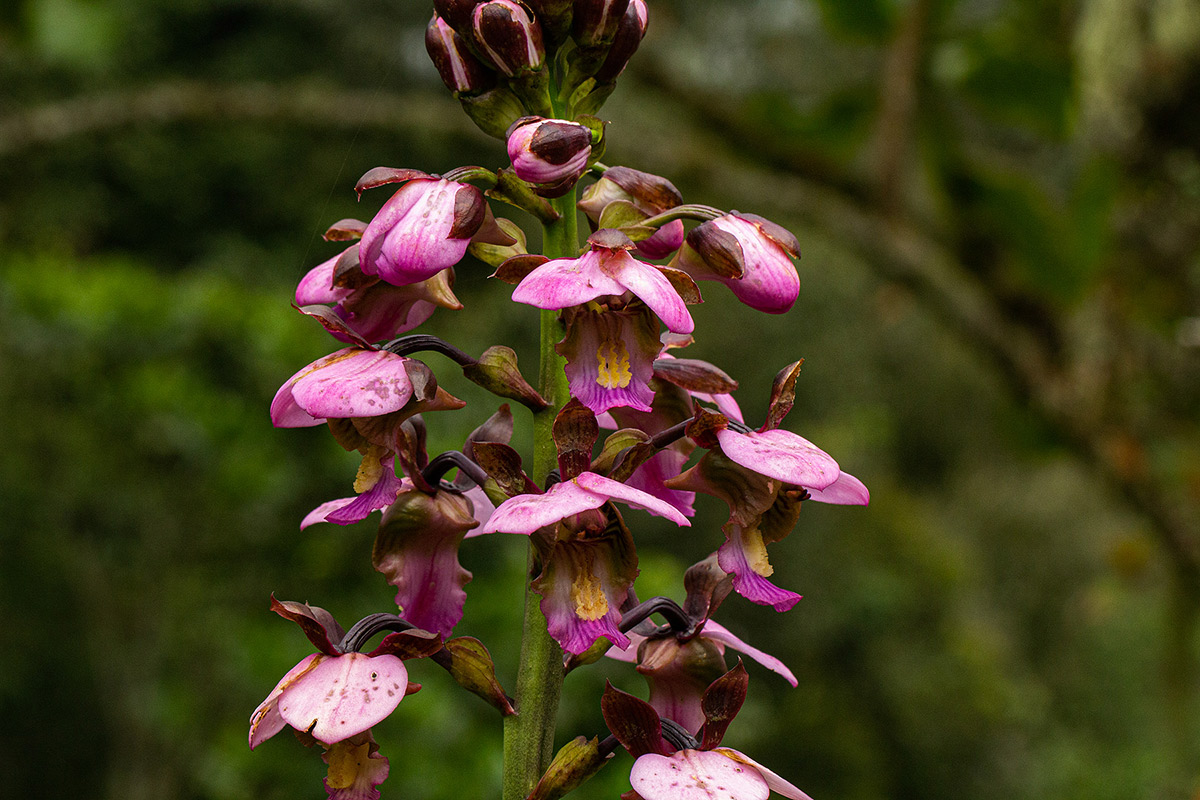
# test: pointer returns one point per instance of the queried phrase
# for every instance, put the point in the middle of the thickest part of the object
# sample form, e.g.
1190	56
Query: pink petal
719	633
724	403
665	241
265	722
696	775
634	497
353	383
847	490
344	695
774	782
781	455
527	513
566	282
317	285
481	507
652	287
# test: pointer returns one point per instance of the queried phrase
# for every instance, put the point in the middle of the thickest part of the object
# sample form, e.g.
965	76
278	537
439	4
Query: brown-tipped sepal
575	762
497	371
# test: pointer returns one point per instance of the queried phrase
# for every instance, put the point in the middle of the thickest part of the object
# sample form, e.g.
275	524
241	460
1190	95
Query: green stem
529	736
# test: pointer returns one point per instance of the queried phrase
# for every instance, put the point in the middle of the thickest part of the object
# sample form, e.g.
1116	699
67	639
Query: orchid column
534	74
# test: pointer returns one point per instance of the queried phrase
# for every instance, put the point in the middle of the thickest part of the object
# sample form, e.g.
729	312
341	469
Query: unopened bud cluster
493	55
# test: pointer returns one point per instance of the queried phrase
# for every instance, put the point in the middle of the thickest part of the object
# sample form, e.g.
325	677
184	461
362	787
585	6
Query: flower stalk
529	735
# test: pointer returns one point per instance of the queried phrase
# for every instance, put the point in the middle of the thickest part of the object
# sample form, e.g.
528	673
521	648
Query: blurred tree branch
716	145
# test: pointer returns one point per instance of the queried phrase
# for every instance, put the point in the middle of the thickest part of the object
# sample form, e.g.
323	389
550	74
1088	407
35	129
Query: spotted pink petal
265	722
696	775
631	496
566	282
352	383
774	782
782	455
651	287
847	490
344	695
719	633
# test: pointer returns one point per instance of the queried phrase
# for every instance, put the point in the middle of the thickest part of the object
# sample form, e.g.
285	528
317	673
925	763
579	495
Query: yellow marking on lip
756	552
613	363
590	602
370	470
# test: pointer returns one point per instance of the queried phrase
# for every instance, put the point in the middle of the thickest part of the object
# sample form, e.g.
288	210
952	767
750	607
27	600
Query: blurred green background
999	207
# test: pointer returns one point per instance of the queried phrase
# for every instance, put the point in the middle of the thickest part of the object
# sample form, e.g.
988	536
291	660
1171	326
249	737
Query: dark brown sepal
652	191
516	192
381	176
503	464
575	762
347	435
470	209
721	702
683	285
704	427
633	721
513	270
318	624
413	643
628	462
694	375
783	395
345	230
497	371
347	271
595	22
575	432
496	428
334	324
630	31
775	232
719	250
457	13
470	665
610	239
707	586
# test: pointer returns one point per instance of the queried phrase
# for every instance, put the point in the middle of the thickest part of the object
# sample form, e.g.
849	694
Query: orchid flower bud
460	71
457	13
554	16
749	254
630	31
596	21
549	150
509	36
